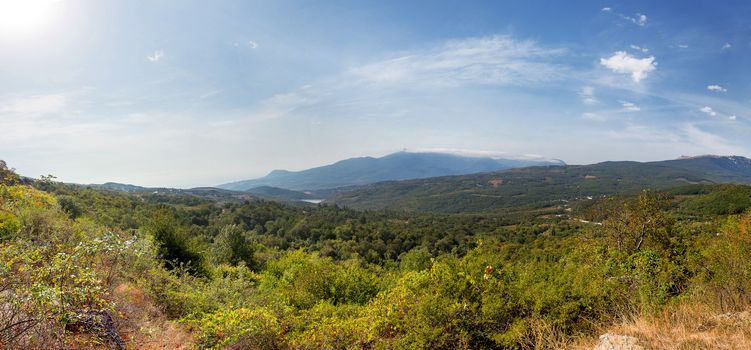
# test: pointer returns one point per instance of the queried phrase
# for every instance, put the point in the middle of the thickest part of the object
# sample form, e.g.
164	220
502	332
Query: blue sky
190	93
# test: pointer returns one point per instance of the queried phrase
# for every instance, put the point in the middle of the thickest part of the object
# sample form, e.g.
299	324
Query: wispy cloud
252	44
156	56
638	18
687	138
494	60
587	94
624	63
726	46
709	111
716	88
630	106
639	48
709	141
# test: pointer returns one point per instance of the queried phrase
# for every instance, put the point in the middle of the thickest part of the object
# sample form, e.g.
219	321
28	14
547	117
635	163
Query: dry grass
682	327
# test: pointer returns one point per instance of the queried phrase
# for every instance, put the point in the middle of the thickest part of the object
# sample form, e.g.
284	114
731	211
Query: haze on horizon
193	93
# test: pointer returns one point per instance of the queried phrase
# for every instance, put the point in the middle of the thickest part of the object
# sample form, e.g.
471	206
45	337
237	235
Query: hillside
150	270
211	193
276	193
396	166
542	186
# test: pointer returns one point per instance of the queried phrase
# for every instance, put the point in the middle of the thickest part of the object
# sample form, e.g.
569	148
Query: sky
184	93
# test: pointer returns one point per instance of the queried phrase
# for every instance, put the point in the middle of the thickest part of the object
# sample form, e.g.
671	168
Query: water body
314	201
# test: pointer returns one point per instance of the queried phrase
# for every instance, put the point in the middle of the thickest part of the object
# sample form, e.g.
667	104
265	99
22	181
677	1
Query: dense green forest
542	188
78	262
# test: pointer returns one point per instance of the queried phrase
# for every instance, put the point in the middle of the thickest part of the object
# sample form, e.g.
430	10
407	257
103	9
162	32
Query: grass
686	326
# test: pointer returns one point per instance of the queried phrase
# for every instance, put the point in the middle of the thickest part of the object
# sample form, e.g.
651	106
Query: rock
728	320
612	341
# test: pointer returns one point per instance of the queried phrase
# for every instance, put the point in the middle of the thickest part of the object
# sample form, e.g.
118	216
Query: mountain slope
396	166
542	186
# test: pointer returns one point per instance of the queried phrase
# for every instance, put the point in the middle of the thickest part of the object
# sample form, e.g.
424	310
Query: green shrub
9	224
256	328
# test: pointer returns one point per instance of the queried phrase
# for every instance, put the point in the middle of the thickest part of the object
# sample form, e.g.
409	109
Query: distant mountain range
542	186
395	166
545	185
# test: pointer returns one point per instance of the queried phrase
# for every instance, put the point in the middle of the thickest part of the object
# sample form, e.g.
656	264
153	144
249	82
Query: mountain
395	166
540	187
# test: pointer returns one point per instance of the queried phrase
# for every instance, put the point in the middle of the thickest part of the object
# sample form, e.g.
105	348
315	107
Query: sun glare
19	18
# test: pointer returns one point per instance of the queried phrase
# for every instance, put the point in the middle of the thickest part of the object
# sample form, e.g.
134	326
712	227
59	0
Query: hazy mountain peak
400	165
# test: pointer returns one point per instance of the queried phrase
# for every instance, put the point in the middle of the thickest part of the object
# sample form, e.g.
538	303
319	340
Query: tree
638	223
232	246
8	176
172	242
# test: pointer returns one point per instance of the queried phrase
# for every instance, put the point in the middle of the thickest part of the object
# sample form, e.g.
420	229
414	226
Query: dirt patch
143	326
496	182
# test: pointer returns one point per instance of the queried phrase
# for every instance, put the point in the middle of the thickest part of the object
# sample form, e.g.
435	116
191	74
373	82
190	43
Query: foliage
172	243
638	224
264	275
53	271
232	246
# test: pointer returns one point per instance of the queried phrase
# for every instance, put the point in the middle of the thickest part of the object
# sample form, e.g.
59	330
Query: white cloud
495	60
639	48
726	46
683	46
156	56
630	106
587	94
640	19
622	62
716	88
252	44
709	111
733	117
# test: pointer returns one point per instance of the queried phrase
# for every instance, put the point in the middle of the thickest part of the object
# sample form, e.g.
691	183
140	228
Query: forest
85	267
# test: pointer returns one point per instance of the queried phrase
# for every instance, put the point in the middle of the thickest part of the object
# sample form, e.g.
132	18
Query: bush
173	244
232	246
244	328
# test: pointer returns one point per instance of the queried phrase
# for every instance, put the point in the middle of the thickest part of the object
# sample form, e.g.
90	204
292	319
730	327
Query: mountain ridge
396	166
542	186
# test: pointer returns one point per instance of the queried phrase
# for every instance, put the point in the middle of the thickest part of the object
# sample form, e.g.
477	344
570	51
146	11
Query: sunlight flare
22	17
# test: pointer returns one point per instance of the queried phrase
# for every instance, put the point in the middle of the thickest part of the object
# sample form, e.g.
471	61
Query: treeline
340	233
